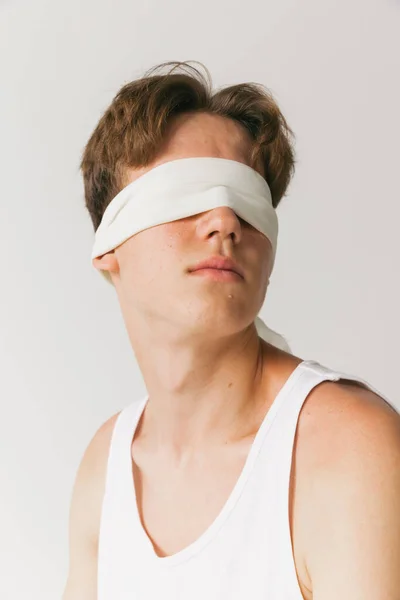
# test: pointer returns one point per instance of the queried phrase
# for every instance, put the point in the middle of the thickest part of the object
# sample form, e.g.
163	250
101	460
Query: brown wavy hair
133	127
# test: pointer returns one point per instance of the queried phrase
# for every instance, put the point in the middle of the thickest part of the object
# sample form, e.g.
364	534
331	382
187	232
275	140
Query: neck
201	393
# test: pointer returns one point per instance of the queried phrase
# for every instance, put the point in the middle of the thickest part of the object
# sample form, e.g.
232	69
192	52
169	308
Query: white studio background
66	362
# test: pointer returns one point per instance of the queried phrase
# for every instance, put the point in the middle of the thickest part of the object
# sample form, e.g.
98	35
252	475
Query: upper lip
218	262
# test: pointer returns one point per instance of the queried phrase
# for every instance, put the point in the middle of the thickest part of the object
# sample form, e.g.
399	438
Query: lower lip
218	274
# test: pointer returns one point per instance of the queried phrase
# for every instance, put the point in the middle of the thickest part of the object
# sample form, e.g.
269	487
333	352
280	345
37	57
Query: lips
218	262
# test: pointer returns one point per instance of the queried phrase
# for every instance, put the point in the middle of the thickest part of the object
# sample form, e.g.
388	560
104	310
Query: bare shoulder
96	453
340	415
85	513
348	447
341	421
90	478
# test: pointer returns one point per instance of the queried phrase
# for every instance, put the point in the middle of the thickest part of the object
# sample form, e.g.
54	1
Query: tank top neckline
210	532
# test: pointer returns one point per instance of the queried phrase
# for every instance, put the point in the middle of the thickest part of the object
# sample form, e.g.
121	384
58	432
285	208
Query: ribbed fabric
246	552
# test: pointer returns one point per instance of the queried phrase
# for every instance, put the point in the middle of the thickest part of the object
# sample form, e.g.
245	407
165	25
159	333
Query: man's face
150	270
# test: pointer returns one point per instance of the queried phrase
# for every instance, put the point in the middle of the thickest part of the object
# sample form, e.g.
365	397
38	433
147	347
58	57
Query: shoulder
350	447
343	426
90	481
94	459
344	416
85	512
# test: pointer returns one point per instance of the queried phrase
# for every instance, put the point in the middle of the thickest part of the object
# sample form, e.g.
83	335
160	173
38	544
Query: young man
247	472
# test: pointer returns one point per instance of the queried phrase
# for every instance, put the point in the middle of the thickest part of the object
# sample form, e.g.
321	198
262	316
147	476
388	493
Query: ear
107	262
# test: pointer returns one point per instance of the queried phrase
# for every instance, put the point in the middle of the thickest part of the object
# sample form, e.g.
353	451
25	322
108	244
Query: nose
222	221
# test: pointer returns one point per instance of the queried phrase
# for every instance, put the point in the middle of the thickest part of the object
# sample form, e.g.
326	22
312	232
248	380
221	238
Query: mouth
218	263
218	274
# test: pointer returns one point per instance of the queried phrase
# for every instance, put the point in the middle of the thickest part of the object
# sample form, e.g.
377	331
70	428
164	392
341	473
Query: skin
198	349
211	380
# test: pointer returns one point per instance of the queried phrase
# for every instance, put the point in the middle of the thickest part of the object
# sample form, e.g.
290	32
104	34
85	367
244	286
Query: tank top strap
308	375
336	375
280	445
119	452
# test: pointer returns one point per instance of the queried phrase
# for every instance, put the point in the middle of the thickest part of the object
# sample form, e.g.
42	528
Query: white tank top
246	552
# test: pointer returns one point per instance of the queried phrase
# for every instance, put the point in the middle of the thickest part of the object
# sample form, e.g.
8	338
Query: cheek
173	243
259	250
267	254
157	253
